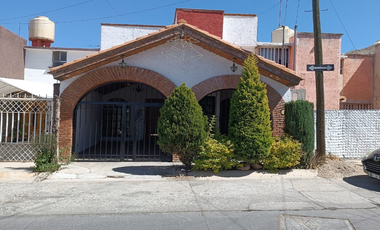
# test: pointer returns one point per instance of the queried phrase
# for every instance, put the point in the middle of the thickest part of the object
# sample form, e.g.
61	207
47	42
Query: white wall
240	30
352	133
208	66
112	35
38	61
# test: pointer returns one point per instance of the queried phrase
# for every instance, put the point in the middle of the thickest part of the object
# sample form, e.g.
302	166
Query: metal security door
117	131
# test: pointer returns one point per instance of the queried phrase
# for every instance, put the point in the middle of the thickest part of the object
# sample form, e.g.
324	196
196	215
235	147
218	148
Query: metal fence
22	120
355	106
275	54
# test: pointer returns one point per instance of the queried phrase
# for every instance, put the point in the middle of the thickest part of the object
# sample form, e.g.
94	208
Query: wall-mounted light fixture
122	64
138	89
233	67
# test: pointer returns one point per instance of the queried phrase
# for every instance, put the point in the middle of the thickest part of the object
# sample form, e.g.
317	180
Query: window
59	58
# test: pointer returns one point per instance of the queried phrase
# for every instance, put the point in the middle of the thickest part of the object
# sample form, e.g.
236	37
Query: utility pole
318	57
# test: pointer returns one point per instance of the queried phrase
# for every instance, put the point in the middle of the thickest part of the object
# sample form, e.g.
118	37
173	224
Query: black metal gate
118	130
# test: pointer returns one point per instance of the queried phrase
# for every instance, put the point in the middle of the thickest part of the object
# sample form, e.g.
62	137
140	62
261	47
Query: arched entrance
118	121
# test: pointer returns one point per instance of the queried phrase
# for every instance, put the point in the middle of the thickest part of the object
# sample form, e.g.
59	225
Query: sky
78	21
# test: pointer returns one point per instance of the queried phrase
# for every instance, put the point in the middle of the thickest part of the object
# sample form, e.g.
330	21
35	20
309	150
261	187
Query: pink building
360	73
304	55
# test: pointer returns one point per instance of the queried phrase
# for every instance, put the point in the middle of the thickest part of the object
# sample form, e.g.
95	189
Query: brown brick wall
11	54
80	87
276	103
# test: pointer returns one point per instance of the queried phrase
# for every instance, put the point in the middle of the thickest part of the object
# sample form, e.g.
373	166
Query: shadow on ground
19	169
164	171
179	170
364	181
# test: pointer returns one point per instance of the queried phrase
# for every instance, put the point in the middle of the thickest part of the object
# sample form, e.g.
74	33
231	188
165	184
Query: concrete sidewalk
17	171
14	171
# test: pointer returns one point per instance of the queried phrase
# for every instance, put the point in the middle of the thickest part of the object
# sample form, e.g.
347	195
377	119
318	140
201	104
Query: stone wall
352	133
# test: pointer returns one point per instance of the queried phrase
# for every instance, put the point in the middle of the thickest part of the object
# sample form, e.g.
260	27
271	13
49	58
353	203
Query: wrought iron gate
22	120
117	131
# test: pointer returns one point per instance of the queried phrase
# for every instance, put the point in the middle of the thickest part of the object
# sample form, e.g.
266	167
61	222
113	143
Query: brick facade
276	103
80	87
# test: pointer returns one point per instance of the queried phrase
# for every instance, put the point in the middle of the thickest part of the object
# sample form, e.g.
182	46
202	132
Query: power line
49	11
342	25
286	12
298	7
119	15
279	17
268	9
114	8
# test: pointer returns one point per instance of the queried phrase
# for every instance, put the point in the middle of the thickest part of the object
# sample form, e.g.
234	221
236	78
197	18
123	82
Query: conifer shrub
285	152
217	152
181	126
299	123
249	123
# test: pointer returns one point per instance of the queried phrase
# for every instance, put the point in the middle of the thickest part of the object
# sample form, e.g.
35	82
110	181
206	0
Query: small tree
299	123
181	126
249	124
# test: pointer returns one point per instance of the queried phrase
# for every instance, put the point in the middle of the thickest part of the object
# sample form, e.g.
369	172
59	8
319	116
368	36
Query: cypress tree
249	124
299	123
181	126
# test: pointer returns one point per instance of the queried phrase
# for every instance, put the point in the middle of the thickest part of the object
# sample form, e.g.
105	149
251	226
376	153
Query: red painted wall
208	20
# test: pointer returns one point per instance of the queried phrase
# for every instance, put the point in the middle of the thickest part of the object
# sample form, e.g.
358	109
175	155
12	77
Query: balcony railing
356	106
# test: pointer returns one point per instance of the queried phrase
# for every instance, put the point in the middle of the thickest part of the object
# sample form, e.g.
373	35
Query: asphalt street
253	200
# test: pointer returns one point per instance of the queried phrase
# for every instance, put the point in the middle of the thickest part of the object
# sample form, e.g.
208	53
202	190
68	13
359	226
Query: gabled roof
205	40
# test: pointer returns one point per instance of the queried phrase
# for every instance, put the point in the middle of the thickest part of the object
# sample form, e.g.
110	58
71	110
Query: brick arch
276	102
89	81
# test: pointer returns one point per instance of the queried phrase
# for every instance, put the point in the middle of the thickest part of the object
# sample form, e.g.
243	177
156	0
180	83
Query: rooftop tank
41	31
277	34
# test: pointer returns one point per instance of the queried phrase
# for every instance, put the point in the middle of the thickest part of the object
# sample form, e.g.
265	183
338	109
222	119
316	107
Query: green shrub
181	126
285	152
216	154
249	125
45	147
299	123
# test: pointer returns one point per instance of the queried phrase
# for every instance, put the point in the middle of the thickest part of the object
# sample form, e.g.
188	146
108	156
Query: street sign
327	67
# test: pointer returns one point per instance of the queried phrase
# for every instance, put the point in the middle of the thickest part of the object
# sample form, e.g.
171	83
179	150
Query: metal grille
218	104
355	106
117	122
22	120
275	54
372	166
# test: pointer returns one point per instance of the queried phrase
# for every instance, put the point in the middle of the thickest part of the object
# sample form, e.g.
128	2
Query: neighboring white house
38	60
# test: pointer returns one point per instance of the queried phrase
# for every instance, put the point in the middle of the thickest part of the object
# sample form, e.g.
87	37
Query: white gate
22	120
